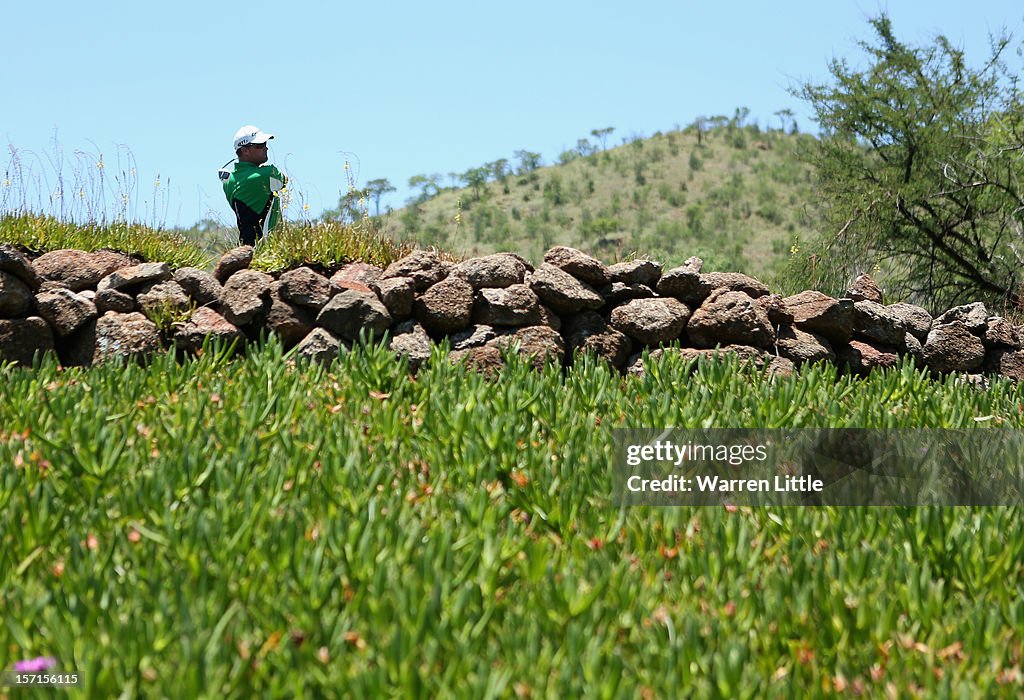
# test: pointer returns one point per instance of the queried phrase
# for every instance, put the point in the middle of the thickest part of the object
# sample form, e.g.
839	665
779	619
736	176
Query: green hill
737	196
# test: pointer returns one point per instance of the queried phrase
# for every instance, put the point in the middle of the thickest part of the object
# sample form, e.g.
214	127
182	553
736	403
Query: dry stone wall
88	307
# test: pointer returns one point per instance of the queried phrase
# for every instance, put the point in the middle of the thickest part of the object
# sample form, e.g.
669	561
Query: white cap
250	134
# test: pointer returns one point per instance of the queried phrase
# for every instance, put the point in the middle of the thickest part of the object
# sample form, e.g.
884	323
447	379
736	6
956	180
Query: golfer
252	188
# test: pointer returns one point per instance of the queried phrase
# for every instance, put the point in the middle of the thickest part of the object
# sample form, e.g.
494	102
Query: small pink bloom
35	665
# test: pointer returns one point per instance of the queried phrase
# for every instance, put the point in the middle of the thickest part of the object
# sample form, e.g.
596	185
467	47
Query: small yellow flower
794	250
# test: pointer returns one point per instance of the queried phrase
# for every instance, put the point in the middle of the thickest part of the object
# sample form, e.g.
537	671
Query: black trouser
250	223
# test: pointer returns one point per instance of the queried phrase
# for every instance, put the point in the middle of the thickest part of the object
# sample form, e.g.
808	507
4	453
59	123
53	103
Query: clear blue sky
400	88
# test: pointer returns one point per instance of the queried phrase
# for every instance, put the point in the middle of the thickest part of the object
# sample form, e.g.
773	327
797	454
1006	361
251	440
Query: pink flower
35	665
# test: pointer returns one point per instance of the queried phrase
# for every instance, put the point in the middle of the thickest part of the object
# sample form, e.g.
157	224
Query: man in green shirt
252	189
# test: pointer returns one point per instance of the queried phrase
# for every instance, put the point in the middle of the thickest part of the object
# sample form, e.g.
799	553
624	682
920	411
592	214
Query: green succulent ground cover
253	528
41	233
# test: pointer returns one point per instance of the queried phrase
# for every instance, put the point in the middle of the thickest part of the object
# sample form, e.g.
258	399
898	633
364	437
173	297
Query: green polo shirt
253	185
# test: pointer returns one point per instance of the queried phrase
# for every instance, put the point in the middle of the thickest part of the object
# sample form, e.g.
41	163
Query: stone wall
88	307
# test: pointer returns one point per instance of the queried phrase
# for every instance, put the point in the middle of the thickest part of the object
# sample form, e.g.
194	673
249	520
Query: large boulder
353	311
952	347
730	317
493	271
21	339
246	296
306	288
78	269
15	296
515	305
562	292
578	264
445	307
232	261
423	266
651	321
814	311
201	286
65	311
206	323
123	336
12	261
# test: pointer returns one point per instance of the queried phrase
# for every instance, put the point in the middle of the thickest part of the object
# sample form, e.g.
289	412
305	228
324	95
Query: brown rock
651	321
397	294
201	286
539	344
22	339
15	296
113	300
289	322
410	340
232	261
492	271
246	296
685	283
424	267
588	332
876	322
814	311
123	336
861	357
864	289
773	305
803	346
131	278
77	269
351	312
515	305
487	359
1009	363
12	261
445	307
618	293
562	292
206	323
730	317
1000	333
65	311
643	272
320	345
363	273
163	298
735	282
953	348
306	288
578	264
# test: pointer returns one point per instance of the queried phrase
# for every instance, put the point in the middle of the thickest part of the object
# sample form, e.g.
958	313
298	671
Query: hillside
736	196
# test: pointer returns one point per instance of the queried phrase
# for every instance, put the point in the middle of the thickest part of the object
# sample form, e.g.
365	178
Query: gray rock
246	296
113	300
864	289
163	298
651	321
952	347
65	311
492	271
913	319
410	340
472	337
306	288
12	261
353	311
232	261
424	267
619	292
803	346
588	332
77	269
127	279
445	307
123	336
23	338
515	305
814	311
735	282
685	283
643	272
206	323
201	286
562	292
730	317
289	322
397	294
876	322
1000	333
320	345
578	264
973	316
15	296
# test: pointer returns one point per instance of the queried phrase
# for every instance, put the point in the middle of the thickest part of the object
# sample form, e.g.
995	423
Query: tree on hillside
920	164
602	135
376	189
498	169
476	178
528	161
